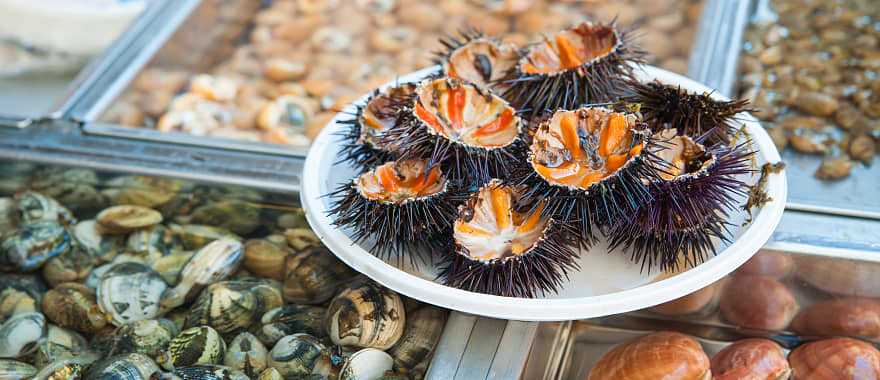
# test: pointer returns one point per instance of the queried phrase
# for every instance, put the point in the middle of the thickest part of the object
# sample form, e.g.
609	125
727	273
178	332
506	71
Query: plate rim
763	224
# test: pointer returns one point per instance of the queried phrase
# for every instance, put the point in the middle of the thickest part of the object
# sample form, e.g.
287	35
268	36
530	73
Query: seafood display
153	278
278	73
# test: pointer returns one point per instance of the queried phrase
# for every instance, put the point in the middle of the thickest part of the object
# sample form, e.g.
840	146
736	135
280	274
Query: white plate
606	284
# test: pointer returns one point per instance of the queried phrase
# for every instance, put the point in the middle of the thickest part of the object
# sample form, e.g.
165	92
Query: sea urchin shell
474	58
361	146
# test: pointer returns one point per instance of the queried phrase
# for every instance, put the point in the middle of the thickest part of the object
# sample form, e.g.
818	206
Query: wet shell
60	343
130	292
32	207
209	372
265	259
16	370
198	345
662	355
74	306
365	314
124	367
757	302
856	317
838	358
301	238
196	236
693	303
148	337
14	301
247	354
751	359
20	333
237	216
270	374
291	319
73	187
67	369
71	266
231	306
169	267
151	241
104	247
844	277
424	326
7	217
141	190
366	364
213	262
33	244
127	218
768	263
313	276
300	355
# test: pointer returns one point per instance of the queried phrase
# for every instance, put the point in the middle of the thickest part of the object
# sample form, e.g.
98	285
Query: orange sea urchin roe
482	62
583	147
495	229
396	182
462	113
570	49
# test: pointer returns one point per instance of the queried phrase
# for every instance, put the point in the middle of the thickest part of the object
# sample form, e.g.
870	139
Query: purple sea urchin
506	248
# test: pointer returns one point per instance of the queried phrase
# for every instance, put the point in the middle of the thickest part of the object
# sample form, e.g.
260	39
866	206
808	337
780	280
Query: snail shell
313	276
20	334
693	303
265	259
365	314
858	317
366	364
213	262
230	306
291	319
16	370
768	263
837	358
300	355
751	359
196	236
209	372
757	302
34	243
270	374
240	217
74	306
843	277
127	218
424	326
149	337
130	292
33	206
124	367
60	343
247	354
197	345
661	355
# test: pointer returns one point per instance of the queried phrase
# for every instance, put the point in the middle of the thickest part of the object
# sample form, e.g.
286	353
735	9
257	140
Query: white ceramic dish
606	284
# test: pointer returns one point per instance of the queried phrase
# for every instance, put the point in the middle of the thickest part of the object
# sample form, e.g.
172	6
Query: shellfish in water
661	355
838	358
99	245
213	262
198	345
149	337
20	333
247	354
751	359
265	259
16	370
300	355
33	244
74	306
757	302
237	216
196	236
231	306
60	343
130	292
291	319
32	207
365	315
124	367
66	369
856	317
127	218
71	266
366	364
313	276
209	372
424	326
141	190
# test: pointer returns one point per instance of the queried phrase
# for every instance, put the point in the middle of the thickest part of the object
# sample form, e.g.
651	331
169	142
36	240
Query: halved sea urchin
473	134
506	247
587	63
361	146
591	166
688	213
477	59
400	206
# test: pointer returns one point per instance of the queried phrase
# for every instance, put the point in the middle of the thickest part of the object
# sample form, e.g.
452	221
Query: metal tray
718	68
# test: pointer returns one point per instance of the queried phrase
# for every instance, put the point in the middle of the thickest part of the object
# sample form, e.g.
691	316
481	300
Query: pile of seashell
304	59
133	277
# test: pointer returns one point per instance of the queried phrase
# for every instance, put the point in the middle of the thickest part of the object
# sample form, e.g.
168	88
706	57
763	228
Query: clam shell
196	236
143	191
209	372
32	207
424	326
240	217
169	267
20	334
14	301
661	355
149	337
768	263
60	343
130	292
99	245
364	315
246	354
73	265
151	241
231	306
198	345
291	319
124	367
67	369
313	276
300	355
73	187
16	370
751	359
856	317
213	262
270	374
757	302
843	277
74	306
837	358
265	259
7	217
127	218
366	364
33	244
694	303
301	238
